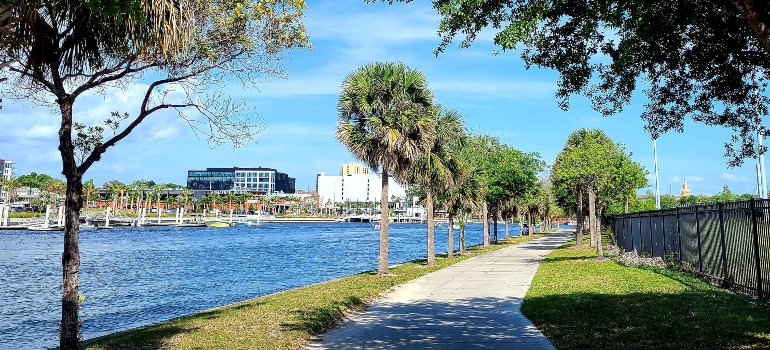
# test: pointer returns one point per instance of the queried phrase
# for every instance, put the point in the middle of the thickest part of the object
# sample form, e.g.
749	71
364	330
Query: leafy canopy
698	59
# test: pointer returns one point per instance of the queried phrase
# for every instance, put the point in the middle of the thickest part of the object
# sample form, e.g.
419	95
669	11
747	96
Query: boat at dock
218	223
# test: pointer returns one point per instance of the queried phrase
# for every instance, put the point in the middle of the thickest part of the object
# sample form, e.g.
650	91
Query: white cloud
39	131
165	133
694	179
44	157
675	179
735	178
499	88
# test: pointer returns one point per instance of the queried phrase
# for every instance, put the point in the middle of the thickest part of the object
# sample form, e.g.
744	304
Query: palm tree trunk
382	265
485	222
450	251
579	214
431	229
592	214
494	222
462	235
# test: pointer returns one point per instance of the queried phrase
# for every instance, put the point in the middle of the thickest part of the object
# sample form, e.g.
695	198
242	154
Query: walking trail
474	304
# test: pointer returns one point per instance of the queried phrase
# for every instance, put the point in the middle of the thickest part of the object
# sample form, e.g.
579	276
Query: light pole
657	183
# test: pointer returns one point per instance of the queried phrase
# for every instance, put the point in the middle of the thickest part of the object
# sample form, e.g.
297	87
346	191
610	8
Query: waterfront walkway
474	304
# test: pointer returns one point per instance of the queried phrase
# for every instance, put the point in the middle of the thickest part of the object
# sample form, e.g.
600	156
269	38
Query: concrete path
474	304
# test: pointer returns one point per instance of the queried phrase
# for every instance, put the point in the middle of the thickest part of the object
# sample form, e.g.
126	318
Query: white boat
44	227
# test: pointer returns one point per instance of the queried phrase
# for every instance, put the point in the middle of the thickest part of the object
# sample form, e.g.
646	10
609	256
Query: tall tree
588	161
436	167
706	60
384	121
59	50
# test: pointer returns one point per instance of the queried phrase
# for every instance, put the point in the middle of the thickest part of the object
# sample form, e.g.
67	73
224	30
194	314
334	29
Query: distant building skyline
353	168
254	180
7	168
354	188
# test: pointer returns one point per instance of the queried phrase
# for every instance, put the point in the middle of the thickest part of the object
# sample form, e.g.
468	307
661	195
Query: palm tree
89	191
157	189
436	167
9	185
214	198
385	121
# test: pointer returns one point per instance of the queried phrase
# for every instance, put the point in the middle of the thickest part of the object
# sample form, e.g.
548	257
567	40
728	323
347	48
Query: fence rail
728	242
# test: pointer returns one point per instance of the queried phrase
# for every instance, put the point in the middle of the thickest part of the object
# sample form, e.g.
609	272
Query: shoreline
470	254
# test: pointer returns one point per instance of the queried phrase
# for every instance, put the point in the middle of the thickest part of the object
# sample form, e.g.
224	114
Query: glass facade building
256	180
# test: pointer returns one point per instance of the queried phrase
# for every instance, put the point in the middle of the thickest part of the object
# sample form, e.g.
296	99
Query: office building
353	168
254	180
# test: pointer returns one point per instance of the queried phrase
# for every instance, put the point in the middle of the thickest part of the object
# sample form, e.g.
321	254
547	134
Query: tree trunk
73	202
625	204
431	228
485	222
450	251
530	227
599	248
382	265
592	214
506	227
579	214
494	227
462	238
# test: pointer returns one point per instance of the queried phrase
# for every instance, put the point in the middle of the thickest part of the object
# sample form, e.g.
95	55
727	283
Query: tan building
353	168
685	192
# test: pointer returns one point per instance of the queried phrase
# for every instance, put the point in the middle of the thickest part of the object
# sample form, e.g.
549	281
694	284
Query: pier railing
727	242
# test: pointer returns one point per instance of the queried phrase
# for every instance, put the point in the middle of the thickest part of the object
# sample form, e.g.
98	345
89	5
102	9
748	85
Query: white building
355	188
7	167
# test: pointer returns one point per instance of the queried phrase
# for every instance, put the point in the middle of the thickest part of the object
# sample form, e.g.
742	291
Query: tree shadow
478	323
146	338
319	319
695	319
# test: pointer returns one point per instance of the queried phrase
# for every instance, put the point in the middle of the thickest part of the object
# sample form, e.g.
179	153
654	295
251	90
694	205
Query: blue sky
495	93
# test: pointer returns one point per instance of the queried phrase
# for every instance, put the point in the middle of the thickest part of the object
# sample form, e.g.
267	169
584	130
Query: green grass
279	321
24	215
581	303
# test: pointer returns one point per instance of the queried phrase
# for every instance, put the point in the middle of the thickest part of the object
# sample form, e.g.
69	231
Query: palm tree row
389	121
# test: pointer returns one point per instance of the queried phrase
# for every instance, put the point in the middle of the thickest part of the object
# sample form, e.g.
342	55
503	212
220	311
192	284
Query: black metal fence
729	241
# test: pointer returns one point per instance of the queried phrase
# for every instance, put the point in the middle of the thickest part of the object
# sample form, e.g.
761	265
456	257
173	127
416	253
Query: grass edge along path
284	320
579	302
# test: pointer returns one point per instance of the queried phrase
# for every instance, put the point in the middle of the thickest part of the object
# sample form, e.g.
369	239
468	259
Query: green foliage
386	116
35	180
696	58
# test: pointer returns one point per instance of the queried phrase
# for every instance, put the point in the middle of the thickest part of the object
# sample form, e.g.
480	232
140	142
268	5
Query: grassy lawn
581	303
279	321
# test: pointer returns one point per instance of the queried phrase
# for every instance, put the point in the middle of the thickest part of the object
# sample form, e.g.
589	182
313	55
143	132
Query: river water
133	277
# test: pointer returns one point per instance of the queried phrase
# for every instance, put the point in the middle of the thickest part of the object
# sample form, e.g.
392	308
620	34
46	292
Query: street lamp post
657	183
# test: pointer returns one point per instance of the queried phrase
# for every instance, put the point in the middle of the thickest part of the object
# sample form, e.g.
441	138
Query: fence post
678	237
697	231
663	231
755	237
640	235
720	208
652	250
